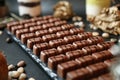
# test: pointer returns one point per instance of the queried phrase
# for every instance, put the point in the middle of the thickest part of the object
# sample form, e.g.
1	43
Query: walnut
63	10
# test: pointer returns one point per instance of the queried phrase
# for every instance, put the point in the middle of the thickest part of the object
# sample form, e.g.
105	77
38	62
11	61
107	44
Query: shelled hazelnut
105	35
95	33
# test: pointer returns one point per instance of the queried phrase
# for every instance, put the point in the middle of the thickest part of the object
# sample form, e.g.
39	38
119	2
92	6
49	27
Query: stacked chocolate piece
72	53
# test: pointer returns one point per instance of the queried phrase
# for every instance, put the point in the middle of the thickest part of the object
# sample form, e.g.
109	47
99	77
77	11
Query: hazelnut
1	32
10	67
21	64
15	74
113	40
20	69
31	78
95	33
23	76
105	35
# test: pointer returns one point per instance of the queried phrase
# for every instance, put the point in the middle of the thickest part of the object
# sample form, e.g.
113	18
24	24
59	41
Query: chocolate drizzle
29	4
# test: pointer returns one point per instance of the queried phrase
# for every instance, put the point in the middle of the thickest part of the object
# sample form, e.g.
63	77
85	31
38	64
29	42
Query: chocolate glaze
29	4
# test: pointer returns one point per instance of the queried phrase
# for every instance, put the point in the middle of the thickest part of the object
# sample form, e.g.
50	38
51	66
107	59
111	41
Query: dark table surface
15	53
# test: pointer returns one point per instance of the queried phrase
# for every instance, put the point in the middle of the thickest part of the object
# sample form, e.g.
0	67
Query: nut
63	10
21	63
15	74
20	69
113	40
95	33
31	78
23	76
1	32
8	40
76	18
10	67
105	35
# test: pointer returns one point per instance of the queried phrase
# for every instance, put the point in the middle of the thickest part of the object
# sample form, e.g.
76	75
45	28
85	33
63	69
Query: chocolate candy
86	60
26	36
51	20
55	60
45	54
74	54
49	37
55	29
109	62
41	22
67	26
95	39
35	28
97	69
22	22
13	29
58	23
106	76
32	41
76	30
41	32
80	44
11	24
63	33
39	47
65	48
57	42
47	17
85	35
48	25
72	38
27	25
103	55
79	74
105	45
64	68
19	32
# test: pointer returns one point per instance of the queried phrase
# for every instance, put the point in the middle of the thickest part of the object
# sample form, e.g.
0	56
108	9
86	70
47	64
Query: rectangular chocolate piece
49	37
26	36
13	29
40	33
64	68
40	47
85	60
66	48
55	60
97	69
35	28
79	74
45	54
32	41
57	42
103	55
20	32
76	30
75	54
